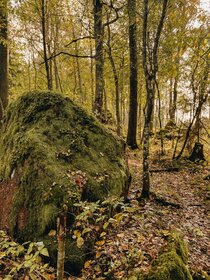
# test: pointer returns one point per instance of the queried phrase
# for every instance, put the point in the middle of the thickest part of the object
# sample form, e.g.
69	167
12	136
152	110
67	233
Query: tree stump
197	153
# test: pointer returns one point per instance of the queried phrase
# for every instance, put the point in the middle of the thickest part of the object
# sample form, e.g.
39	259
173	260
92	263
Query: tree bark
197	113
99	59
197	153
173	101
3	58
133	105
116	80
61	236
44	42
203	97
150	66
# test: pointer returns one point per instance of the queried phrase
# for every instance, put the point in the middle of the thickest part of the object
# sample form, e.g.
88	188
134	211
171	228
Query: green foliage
26	259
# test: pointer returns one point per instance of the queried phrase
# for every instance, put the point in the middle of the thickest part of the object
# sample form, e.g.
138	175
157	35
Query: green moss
171	264
201	275
177	244
45	141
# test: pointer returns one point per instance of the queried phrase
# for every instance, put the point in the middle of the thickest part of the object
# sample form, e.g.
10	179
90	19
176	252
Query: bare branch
69	54
116	10
78	39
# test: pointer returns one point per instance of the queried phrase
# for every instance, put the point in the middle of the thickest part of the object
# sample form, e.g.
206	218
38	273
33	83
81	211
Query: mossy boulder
55	154
170	131
171	263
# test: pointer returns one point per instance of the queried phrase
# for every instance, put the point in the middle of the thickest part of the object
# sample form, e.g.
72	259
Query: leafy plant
26	259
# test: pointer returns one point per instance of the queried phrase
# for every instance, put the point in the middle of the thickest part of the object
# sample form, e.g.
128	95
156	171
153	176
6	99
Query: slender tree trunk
3	58
91	61
78	66
44	42
116	80
121	78
56	75
146	138
75	79
173	101
202	99
197	113
160	119
61	236
92	74
133	105
99	59
140	114
35	70
150	74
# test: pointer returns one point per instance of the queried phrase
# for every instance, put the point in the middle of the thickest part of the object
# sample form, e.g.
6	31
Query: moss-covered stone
171	264
56	154
201	275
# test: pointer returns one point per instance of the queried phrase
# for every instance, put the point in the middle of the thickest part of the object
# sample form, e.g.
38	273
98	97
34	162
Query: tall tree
3	57
133	105
45	45
150	65
99	57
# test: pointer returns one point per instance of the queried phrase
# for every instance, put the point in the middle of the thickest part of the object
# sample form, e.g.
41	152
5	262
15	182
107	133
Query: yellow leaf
77	233
52	232
100	243
98	254
121	235
165	232
103	234
105	225
140	238
86	230
119	217
87	264
97	268
80	242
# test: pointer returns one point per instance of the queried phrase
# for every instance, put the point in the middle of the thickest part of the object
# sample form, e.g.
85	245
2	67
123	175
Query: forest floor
138	231
180	203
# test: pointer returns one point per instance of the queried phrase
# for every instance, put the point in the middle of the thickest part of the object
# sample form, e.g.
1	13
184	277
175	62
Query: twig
78	39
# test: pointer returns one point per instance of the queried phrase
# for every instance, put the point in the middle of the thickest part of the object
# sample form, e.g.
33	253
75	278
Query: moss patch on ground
171	264
57	154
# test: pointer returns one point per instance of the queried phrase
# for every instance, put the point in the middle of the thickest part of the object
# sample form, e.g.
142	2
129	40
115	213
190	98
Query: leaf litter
132	243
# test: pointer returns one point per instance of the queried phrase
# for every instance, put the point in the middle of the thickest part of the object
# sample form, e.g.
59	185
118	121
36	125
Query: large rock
53	153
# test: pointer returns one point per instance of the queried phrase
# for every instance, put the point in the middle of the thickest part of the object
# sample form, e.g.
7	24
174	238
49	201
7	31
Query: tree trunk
56	74
91	65
146	138
44	42
197	153
173	101
61	235
197	113
133	105
150	74
99	59
202	99
3	58
116	80
78	66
